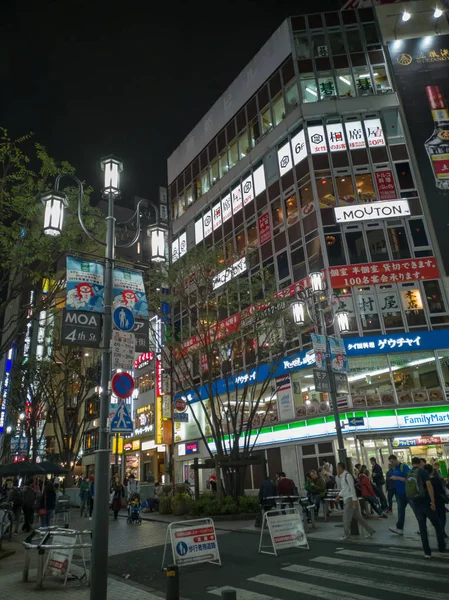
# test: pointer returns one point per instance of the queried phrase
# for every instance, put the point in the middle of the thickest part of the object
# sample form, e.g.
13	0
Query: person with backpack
29	502
15	499
439	494
420	494
377	475
399	475
351	507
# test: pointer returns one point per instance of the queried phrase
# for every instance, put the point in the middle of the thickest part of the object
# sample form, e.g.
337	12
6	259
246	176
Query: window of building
326	86
291	97
314	255
233	153
418	232
377	245
213	172
335	251
298	264
276	214
278	109
398	242
197	193
405	176
319	44
434	297
345	189
291	209
356	247
302	47
415	377
204	182
267	122
223	164
181	206
283	266
243	144
354	40
308	85
337	43
368	311
363	81
390	307
254	132
370	382
412	303
381	80
189	195
306	197
371	36
251	234
345	83
365	188
325	190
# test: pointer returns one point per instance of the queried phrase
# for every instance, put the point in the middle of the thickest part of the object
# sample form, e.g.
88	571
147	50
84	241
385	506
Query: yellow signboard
158	426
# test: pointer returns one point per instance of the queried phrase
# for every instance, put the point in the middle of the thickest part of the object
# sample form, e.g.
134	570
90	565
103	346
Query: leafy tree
202	346
27	256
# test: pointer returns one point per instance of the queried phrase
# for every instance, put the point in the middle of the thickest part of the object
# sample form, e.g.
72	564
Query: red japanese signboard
385	185
263	224
412	269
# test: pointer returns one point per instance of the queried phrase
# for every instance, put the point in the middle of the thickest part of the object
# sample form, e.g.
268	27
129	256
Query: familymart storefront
397	387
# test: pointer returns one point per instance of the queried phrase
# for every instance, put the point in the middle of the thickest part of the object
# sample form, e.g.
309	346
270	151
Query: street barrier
172	587
286	530
192	542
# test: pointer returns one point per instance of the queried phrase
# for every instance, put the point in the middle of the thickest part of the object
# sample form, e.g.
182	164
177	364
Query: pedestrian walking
439	494
377	475
29	502
391	491
133	486
47	503
118	492
15	499
420	493
399	474
84	497
368	493
351	507
91	496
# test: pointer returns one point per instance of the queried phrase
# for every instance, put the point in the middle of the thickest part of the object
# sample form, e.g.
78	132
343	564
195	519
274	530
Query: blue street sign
121	421
356	421
123	318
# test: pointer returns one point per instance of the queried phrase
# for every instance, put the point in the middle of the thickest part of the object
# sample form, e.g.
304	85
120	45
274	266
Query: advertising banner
412	269
264	227
286	409
337	354
385	185
129	292
319	345
421	68
84	285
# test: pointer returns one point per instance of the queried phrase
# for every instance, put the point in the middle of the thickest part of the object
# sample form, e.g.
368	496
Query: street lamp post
312	299
55	202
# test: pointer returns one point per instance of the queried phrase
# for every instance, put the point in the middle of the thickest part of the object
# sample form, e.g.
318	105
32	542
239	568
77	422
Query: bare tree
228	326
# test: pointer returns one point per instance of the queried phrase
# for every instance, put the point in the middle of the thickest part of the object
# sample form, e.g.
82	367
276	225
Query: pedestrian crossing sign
121	421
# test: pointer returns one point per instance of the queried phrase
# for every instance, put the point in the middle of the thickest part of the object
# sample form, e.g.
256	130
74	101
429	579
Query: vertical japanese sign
286	409
319	346
385	185
264	227
337	353
421	68
84	287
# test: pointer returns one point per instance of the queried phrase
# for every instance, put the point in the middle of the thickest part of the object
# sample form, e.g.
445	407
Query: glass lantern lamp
54	203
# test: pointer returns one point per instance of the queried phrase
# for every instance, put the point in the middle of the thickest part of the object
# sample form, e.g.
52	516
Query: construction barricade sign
194	543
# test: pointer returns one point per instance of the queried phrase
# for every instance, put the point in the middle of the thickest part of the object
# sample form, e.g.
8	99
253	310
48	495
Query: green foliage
165	505
208	506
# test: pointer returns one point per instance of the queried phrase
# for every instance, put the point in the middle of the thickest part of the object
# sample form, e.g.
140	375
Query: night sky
90	79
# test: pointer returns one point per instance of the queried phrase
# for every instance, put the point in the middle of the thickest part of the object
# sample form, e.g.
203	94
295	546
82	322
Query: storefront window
416	377
267	122
291	97
325	189
326	85
413	305
276	213
377	245
381	80
306	198
368	311
434	296
345	190
365	188
291	210
335	251
443	357
308	87
305	399
356	247
390	307
398	242
370	381
240	241
251	234
345	84
363	81
278	109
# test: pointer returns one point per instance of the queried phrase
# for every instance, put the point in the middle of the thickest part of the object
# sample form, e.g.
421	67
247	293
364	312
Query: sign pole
99	570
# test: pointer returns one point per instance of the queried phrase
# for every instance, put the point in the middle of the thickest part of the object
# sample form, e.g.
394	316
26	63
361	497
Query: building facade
307	161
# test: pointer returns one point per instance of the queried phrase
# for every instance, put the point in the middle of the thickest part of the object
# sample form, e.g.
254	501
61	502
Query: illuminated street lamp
54	203
157	242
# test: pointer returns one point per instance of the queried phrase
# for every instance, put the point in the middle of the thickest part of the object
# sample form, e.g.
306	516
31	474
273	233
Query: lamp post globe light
54	203
312	300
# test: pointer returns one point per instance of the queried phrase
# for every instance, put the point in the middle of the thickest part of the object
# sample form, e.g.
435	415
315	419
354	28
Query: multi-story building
307	159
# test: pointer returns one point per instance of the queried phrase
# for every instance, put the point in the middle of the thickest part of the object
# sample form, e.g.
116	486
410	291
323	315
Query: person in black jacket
29	502
377	475
267	489
440	496
47	504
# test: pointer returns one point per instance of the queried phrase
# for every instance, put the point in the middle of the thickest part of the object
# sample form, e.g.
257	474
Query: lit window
267	123
278	109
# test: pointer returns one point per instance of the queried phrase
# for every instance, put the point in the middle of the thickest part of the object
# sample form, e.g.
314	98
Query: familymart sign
372	211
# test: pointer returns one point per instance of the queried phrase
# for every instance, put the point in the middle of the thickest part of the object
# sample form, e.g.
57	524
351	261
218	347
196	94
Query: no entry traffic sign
180	404
122	385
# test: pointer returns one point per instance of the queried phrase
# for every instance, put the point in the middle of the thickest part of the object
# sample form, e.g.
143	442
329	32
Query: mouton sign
372	211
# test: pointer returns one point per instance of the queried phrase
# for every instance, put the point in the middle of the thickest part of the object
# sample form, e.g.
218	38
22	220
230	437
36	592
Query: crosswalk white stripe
330	560
307	588
372	556
363	581
242	594
406	551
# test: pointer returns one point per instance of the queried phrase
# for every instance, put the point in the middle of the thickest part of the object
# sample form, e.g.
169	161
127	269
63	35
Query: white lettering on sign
234	271
299	147
336	137
226	208
309	359
375	210
237	199
317	139
387	344
285	159
354	133
374	132
424	419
